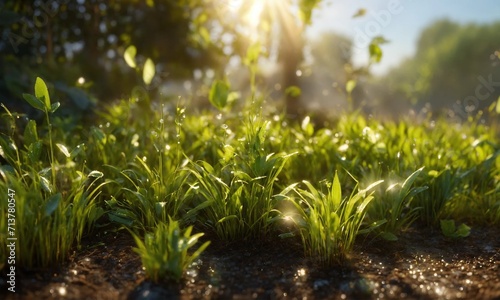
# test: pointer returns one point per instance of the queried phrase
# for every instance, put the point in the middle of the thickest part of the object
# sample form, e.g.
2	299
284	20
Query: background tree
329	71
65	41
449	70
91	35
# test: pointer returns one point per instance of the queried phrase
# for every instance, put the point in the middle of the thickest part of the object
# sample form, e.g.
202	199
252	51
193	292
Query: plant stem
52	162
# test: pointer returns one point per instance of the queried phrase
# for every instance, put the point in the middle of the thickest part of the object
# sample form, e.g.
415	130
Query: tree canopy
454	69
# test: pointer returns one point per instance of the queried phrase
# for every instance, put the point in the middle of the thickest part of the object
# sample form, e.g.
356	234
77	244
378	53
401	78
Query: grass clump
391	211
164	252
56	201
327	223
238	190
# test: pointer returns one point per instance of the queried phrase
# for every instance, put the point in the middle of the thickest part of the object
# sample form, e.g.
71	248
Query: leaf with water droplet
96	174
63	149
45	183
77	150
54	107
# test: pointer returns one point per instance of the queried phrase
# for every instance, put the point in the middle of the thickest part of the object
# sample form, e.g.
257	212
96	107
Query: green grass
328	223
141	165
49	221
392	211
164	252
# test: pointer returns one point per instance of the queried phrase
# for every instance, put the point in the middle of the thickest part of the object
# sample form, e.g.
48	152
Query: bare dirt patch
421	265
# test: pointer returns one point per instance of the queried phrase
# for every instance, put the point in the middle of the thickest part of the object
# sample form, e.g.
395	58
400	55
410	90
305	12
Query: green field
248	174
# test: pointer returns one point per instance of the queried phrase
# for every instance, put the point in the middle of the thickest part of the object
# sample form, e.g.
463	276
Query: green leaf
448	227
219	94
45	184
388	236
205	34
375	52
34	102
336	192
361	12
42	93
54	107
379	40
287	235
462	231
350	85
498	106
77	150
64	150
227	218
52	204
34	151
98	134
129	56
253	54
120	218
306	8
293	91
30	133
307	126
96	174
149	71
410	180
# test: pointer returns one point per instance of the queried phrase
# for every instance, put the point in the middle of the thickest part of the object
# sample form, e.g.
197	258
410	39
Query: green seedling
41	101
164	252
327	223
449	229
393	207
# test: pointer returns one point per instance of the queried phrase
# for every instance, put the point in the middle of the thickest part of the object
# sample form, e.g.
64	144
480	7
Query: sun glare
253	17
254	13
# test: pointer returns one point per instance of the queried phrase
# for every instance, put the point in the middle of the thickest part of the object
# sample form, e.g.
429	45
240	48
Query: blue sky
399	21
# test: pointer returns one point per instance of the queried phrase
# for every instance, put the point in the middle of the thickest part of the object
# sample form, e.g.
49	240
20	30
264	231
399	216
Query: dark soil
421	265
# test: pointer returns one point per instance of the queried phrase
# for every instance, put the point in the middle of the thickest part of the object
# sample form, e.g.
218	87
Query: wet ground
421	265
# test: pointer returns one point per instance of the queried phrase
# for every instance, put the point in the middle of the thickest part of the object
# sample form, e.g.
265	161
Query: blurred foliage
90	36
454	70
80	44
332	79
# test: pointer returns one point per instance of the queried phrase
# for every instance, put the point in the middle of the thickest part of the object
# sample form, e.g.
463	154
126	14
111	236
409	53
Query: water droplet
62	291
